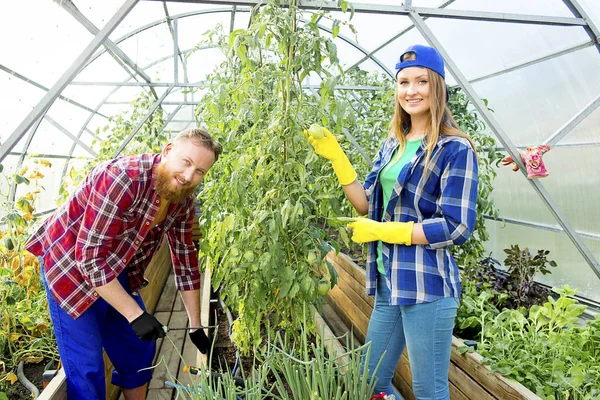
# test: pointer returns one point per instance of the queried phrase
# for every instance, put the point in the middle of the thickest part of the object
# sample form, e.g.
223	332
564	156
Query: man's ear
167	149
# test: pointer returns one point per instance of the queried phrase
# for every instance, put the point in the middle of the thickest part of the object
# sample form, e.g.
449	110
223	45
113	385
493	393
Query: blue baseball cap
425	57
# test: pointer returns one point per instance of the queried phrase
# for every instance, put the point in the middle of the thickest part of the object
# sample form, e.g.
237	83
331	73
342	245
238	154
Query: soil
224	356
33	372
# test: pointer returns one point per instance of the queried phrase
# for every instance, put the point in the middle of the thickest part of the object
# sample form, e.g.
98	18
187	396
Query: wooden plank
469	388
348	280
497	385
157	272
159	394
205	292
359	321
456	394
358	298
343	315
56	389
168	358
167	297
349	266
403	388
334	348
189	358
346	336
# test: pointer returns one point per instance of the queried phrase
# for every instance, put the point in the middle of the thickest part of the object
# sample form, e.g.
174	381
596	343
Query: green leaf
10	300
21	179
27	322
335	31
465	349
333	275
9	243
1	169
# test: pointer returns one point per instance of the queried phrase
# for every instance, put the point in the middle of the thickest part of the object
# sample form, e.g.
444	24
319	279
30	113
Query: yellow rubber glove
329	148
367	230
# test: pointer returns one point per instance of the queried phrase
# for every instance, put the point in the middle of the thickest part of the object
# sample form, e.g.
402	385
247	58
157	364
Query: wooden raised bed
469	379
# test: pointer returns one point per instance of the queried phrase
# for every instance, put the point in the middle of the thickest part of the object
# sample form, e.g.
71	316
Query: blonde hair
441	121
201	137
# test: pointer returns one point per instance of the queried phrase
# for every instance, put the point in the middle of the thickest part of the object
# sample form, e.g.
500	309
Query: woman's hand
329	148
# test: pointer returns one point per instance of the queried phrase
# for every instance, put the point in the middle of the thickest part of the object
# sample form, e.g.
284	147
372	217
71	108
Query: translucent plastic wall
42	39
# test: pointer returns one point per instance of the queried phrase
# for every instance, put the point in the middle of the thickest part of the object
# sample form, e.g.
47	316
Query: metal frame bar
156	104
13	188
71	136
556	146
119	55
65	79
390	40
503	137
590	27
232	19
573	122
424	11
158	22
44	88
175	51
40	155
533	62
538	225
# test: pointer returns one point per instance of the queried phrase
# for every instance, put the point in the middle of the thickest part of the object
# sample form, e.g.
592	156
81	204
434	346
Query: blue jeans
425	329
80	343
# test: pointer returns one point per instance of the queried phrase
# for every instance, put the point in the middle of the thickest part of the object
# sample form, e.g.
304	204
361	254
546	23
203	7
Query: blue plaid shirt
444	201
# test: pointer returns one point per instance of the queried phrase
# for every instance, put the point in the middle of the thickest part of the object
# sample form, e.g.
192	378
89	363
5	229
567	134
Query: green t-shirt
388	178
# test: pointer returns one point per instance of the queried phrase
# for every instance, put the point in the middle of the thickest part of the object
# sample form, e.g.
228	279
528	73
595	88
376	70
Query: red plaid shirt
105	227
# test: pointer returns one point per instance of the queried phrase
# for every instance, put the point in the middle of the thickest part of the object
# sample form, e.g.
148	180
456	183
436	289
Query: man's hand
328	147
200	340
147	327
367	230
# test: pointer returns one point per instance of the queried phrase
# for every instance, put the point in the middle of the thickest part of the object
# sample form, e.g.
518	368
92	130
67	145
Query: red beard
167	189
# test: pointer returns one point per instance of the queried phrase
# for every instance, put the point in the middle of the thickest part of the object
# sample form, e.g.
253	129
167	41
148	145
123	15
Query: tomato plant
266	201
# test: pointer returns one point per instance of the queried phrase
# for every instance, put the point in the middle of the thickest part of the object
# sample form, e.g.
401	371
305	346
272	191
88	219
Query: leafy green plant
266	201
292	368
522	269
478	308
25	327
546	349
487	290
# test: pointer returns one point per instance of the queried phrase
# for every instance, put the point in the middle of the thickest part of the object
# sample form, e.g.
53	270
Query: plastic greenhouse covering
536	62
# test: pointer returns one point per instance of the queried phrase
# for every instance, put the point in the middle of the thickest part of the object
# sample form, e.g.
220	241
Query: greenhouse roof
67	66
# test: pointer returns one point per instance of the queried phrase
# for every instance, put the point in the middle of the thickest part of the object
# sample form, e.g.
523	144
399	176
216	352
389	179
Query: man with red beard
93	251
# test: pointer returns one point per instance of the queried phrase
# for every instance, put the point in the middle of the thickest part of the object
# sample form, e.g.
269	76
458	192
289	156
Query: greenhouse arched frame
433	24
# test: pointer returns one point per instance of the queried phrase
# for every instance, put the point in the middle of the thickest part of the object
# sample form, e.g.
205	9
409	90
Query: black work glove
146	327
200	340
